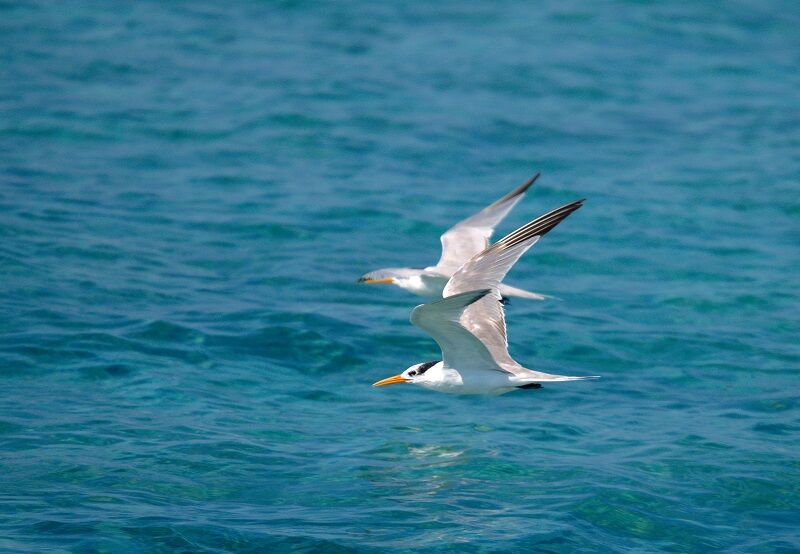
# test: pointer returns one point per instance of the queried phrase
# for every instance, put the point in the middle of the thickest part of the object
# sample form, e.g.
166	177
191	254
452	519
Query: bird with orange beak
469	325
459	243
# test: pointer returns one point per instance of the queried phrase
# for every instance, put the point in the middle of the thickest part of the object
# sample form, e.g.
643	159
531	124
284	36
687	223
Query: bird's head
401	276
388	276
415	374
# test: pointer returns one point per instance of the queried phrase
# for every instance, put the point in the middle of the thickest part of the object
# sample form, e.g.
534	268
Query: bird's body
469	324
430	284
470	380
459	243
423	282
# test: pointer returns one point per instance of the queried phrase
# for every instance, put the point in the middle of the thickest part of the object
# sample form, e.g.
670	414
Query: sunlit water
189	190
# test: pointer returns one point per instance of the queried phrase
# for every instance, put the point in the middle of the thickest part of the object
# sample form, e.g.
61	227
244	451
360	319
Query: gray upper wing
441	320
486	317
469	236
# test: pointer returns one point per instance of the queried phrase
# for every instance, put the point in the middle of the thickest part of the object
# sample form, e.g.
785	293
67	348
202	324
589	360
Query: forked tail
506	290
540	377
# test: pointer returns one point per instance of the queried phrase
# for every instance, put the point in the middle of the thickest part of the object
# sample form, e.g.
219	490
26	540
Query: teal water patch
189	192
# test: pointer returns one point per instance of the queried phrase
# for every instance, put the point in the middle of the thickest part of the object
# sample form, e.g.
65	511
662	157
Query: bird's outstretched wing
441	320
469	236
485	318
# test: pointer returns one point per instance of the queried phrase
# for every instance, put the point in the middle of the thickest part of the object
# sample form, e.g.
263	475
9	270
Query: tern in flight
459	243
469	323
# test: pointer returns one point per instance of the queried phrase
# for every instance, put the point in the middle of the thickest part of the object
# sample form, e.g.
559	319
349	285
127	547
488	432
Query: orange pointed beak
396	380
376	281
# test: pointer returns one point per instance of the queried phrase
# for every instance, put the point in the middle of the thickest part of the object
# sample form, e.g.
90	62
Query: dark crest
426	366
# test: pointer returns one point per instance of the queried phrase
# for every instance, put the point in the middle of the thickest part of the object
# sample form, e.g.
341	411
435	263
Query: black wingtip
541	225
522	189
527	184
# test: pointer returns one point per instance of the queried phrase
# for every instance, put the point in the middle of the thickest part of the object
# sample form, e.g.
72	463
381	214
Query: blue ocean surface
189	191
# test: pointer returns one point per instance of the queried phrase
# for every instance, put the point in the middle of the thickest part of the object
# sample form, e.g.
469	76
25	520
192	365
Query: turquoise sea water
188	191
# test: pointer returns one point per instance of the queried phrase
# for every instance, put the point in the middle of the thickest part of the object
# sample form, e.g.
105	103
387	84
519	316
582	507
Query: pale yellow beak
396	380
376	281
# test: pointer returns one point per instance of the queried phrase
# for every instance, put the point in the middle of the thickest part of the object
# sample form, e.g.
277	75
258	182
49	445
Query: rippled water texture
188	191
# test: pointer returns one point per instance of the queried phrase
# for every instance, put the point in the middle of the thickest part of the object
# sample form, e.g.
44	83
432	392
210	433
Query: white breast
453	381
427	286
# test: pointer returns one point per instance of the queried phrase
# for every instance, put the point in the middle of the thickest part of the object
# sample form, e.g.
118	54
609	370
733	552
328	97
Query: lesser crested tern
469	323
459	243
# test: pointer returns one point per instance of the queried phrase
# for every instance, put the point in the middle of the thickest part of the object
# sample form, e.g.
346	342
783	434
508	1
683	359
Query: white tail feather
506	290
539	377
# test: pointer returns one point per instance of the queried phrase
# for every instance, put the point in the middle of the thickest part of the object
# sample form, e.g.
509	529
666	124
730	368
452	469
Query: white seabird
459	243
469	323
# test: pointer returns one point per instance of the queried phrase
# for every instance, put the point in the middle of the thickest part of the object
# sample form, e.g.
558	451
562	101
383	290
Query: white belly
429	286
489	382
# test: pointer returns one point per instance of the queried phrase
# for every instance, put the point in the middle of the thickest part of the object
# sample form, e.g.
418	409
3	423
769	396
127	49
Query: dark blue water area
189	191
